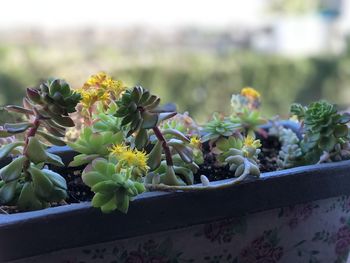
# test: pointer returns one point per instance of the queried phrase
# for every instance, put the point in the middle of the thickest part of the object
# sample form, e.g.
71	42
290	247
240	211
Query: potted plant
188	184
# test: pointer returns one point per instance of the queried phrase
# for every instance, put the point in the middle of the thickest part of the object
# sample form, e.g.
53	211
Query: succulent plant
324	129
92	145
219	127
6	140
140	112
290	154
240	154
99	88
182	123
245	110
104	119
223	146
25	181
113	189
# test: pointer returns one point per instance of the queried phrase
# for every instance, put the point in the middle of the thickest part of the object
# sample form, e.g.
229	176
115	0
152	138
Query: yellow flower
102	81
90	96
132	158
250	93
250	142
118	149
100	87
195	142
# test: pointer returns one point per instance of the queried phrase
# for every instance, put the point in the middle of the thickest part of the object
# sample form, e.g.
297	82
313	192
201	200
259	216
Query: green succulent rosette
113	190
324	128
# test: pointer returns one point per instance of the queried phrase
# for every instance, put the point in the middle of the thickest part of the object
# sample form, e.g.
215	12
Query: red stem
160	137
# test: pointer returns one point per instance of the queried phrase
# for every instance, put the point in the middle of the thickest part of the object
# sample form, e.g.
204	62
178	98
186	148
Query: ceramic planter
293	215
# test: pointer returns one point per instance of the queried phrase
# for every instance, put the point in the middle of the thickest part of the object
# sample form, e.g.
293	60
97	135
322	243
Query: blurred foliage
198	81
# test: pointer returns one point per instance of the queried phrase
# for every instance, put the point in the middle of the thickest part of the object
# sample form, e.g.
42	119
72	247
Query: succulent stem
160	137
192	188
31	133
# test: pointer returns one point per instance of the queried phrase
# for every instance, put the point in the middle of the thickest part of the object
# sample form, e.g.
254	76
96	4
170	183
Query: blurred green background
289	50
198	82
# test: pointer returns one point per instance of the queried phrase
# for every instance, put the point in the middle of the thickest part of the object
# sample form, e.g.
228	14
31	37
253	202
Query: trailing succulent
325	132
26	182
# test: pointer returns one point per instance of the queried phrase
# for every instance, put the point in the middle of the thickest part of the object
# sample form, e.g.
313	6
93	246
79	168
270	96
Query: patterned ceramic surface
312	232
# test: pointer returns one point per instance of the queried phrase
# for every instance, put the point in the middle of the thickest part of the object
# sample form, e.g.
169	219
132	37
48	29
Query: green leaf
27	199
54	159
136	94
6	149
141	139
82	159
41	183
63	120
149	120
52	139
166	115
341	131
100	199
7	192
18	109
150	106
122	202
177	134
58	194
155	156
185	152
140	187
104	187
327	143
92	178
13	170
55	178
110	206
35	151
17	127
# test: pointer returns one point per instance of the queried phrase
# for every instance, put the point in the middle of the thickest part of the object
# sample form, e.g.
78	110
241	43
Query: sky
156	13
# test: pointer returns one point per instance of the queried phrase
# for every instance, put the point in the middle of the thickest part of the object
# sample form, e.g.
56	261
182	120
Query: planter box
294	215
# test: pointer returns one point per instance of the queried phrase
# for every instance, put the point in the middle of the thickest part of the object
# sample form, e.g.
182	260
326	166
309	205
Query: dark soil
269	154
77	190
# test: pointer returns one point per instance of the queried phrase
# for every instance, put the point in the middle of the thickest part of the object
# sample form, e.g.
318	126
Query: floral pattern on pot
314	232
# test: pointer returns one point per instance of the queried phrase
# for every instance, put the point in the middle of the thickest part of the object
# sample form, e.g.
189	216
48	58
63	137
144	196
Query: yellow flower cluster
250	93
130	157
100	87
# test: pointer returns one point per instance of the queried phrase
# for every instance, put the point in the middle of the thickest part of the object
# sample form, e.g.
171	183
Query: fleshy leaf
54	159
27	199
6	149
18	109
17	127
55	178
13	170
7	192
35	151
52	139
42	185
